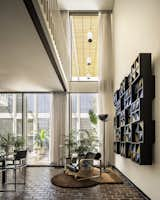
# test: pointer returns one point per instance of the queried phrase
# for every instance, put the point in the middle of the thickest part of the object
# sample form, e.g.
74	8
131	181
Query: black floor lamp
103	118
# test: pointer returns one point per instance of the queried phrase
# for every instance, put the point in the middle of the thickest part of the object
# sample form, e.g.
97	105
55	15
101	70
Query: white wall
136	28
24	63
79	86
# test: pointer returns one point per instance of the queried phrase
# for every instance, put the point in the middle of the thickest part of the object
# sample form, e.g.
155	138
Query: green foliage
6	140
19	142
9	140
88	141
93	117
41	138
83	141
71	141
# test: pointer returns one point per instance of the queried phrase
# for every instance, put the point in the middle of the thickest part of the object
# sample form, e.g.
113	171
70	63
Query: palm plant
41	138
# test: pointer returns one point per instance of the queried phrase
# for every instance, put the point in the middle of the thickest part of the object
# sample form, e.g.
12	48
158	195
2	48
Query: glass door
37	117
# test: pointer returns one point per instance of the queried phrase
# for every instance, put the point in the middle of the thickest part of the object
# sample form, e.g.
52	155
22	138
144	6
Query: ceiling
24	64
86	4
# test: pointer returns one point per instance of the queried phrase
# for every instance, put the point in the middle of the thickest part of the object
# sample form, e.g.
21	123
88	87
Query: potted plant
88	141
7	143
19	143
83	141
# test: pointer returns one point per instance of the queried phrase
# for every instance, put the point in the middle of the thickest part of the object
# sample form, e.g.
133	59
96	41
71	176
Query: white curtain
59	128
67	30
106	81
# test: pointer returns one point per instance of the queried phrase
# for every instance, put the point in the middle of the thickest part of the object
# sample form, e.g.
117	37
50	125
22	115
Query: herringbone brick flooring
39	187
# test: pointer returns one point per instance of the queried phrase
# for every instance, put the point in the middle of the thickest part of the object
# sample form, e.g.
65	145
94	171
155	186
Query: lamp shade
103	117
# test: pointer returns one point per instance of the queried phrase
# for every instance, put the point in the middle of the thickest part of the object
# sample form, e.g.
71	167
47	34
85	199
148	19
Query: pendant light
88	76
90	36
89	61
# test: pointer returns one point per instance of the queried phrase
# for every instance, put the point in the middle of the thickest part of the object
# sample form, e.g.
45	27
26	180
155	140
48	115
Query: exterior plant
93	117
41	139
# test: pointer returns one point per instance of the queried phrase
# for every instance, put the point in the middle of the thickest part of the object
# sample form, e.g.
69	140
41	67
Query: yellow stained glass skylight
82	50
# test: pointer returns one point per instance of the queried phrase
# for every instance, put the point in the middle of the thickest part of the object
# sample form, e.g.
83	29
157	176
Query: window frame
78	115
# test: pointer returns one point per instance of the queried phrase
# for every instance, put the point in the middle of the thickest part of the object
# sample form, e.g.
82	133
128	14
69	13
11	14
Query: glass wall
81	104
38	127
11	114
27	115
84	132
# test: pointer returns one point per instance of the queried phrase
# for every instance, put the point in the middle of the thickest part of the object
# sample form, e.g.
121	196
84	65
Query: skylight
84	47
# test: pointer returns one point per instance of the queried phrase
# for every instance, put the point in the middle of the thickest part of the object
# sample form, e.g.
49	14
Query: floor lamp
103	118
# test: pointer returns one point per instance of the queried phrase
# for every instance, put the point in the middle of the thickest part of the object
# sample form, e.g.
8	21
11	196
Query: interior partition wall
28	115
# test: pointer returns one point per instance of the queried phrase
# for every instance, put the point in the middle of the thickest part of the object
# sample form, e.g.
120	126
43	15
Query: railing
55	24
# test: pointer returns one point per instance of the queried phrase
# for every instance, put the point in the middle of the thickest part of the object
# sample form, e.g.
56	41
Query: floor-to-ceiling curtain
59	128
106	80
67	31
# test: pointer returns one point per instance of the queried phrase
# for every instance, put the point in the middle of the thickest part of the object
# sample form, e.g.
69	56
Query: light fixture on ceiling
90	36
88	76
89	61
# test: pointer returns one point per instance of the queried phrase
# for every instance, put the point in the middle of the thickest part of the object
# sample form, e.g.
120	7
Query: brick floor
39	187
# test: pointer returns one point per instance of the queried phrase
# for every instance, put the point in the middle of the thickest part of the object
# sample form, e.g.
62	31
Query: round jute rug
66	181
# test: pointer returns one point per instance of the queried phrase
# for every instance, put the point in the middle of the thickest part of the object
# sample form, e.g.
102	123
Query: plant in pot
71	142
7	143
83	141
10	143
88	142
19	143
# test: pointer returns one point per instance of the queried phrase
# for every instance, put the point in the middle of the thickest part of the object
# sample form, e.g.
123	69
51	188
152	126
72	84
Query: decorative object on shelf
103	118
90	37
133	124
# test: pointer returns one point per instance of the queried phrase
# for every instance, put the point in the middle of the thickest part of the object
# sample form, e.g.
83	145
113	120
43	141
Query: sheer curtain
67	30
59	128
106	81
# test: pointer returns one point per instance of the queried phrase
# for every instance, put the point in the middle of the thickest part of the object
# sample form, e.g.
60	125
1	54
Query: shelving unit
134	129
